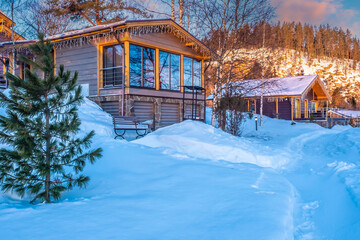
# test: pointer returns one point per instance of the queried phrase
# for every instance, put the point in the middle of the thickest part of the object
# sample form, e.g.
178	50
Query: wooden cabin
150	69
5	36
299	98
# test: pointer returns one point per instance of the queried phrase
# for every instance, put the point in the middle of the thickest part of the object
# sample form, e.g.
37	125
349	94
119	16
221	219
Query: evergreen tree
44	156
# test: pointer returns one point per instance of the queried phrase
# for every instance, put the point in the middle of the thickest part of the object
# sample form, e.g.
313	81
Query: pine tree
44	156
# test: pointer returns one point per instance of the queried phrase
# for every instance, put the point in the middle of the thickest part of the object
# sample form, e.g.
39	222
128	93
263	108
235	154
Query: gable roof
135	27
277	87
8	21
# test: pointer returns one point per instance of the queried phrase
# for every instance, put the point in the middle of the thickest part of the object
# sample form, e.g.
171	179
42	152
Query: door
306	108
297	108
170	114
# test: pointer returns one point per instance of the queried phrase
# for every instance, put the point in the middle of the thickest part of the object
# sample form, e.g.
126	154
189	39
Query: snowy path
326	209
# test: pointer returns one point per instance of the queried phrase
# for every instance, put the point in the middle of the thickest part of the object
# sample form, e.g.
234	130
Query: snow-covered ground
191	181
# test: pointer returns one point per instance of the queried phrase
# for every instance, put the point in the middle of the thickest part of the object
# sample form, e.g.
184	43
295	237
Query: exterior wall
87	60
82	59
269	110
129	106
165	41
284	106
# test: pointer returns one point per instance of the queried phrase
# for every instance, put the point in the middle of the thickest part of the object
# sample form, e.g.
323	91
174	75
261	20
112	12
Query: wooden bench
124	124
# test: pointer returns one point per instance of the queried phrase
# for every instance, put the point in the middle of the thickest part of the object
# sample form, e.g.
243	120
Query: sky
339	13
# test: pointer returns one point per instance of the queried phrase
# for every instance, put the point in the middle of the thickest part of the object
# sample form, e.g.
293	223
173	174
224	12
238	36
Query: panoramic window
142	66
112	71
169	71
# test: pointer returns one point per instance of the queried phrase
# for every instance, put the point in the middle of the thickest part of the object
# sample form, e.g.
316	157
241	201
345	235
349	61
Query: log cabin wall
82	59
136	105
163	106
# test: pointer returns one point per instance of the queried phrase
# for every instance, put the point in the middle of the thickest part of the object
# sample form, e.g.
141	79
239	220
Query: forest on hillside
317	42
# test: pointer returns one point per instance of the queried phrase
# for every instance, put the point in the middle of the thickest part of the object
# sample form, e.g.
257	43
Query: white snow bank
198	140
138	192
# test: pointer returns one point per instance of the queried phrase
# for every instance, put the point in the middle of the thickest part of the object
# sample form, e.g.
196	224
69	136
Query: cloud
318	12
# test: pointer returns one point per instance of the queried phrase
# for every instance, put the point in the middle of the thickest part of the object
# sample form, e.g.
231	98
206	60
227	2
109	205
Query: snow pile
140	192
198	140
191	181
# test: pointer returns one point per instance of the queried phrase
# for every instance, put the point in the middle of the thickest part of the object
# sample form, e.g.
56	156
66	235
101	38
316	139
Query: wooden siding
285	109
82	59
170	114
164	41
269	107
111	107
144	110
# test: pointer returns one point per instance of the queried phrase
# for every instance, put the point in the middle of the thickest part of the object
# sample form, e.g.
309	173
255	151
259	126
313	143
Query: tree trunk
13	36
181	12
47	158
173	10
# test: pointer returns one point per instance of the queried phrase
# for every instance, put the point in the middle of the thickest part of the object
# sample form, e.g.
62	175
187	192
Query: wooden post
292	112
255	105
277	108
127	66
157	70
181	72
99	66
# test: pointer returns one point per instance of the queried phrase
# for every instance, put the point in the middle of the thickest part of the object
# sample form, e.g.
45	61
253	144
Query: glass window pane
175	72
135	65
118	55
112	66
108	57
197	73
187	71
149	67
164	70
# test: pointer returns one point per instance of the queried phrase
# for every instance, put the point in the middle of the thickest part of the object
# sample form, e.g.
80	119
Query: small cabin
150	69
299	98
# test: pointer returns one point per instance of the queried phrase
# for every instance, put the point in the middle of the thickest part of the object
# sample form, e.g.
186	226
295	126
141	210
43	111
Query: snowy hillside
335	72
191	181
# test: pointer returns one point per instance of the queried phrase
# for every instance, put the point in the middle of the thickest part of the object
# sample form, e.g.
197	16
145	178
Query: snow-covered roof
128	25
86	30
274	87
286	86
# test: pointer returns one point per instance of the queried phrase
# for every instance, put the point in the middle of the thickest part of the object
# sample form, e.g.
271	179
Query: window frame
142	67
170	72
122	61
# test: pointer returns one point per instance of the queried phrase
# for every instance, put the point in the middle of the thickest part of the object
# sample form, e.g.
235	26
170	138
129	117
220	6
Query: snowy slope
191	181
284	62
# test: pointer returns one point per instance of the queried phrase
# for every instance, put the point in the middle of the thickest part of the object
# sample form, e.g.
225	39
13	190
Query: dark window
142	66
112	71
23	66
